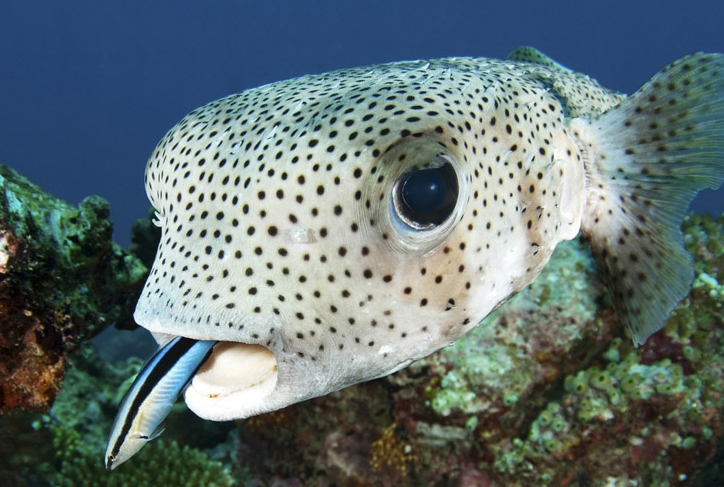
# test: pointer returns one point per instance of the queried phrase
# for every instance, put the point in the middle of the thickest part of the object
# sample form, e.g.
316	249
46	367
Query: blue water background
88	87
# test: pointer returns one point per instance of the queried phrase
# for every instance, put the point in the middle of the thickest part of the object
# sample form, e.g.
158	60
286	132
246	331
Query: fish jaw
240	379
237	381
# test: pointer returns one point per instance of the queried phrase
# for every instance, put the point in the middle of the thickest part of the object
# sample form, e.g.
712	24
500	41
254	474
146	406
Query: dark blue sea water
87	88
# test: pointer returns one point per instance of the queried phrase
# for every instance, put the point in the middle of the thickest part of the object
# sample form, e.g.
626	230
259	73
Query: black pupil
428	195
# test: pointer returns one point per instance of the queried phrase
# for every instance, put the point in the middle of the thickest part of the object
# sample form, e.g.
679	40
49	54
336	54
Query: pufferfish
334	228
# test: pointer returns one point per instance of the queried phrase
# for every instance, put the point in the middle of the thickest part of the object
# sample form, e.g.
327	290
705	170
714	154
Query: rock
62	280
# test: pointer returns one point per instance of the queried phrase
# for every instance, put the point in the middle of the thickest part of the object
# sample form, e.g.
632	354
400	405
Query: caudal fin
645	160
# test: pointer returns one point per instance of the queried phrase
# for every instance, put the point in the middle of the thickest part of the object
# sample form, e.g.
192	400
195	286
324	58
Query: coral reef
62	280
159	463
84	407
546	391
66	445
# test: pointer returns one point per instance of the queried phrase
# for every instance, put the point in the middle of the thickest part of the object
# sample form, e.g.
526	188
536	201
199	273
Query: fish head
334	228
130	447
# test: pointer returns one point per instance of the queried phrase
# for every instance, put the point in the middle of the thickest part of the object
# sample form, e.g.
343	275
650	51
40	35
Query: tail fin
645	160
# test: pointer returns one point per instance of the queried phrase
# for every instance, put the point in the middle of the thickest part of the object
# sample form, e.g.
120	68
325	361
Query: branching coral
159	463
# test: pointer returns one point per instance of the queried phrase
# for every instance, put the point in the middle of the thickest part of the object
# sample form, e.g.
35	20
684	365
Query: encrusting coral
62	280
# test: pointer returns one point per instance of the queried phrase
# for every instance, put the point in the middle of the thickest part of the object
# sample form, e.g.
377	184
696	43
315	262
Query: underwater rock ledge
62	280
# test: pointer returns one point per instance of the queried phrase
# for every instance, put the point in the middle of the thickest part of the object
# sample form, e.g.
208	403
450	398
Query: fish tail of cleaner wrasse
152	395
645	159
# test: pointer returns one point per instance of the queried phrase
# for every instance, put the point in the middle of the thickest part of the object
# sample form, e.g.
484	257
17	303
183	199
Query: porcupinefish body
333	228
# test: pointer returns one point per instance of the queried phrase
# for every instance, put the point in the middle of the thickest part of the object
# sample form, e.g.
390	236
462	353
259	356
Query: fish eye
425	198
416	194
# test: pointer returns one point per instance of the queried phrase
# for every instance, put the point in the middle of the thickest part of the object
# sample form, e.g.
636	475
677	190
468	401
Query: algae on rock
62	280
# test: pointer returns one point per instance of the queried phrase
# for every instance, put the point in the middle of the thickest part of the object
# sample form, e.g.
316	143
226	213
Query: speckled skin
280	227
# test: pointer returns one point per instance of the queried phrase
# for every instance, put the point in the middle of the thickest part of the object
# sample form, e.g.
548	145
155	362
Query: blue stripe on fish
152	395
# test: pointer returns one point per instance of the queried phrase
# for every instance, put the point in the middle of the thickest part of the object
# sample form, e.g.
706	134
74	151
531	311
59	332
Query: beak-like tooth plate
240	371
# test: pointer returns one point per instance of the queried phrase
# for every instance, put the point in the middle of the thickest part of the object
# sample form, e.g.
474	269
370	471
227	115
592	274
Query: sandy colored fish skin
283	224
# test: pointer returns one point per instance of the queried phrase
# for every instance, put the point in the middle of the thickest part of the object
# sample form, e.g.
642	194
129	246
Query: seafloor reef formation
62	280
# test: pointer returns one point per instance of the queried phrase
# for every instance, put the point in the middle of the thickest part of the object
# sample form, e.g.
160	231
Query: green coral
646	406
81	419
76	267
492	364
64	280
704	239
594	397
159	463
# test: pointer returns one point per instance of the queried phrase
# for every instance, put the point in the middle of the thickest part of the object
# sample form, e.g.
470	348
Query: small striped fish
152	395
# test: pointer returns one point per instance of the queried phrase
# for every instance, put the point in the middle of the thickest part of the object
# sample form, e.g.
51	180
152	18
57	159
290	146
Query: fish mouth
235	382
